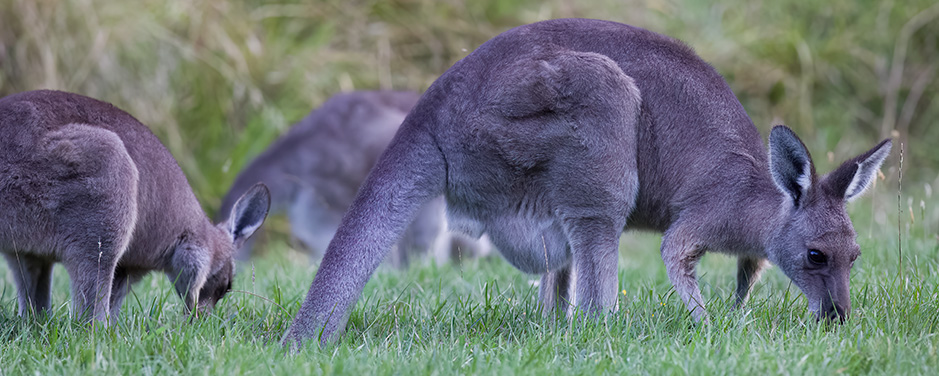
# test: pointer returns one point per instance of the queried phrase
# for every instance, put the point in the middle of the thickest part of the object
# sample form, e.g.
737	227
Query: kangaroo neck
766	211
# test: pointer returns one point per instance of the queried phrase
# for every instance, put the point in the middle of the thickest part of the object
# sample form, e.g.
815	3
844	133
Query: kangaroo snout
205	308
834	312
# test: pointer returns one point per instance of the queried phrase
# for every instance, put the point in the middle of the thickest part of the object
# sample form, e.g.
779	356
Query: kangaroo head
246	217
206	268
815	244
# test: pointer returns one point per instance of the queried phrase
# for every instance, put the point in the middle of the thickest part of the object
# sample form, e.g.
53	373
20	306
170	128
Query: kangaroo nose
837	312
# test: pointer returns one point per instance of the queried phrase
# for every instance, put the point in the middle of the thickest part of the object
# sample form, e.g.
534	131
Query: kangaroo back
330	150
30	116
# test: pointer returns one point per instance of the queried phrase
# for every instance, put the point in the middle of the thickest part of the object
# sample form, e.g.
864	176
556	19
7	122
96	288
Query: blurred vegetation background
217	80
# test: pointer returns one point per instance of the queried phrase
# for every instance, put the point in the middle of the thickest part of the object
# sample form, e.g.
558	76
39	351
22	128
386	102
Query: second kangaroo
85	184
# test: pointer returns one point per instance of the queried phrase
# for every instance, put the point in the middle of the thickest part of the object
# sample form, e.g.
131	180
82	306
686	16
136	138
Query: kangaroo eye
817	257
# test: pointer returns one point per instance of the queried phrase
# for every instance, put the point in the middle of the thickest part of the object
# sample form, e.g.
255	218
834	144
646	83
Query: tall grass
218	79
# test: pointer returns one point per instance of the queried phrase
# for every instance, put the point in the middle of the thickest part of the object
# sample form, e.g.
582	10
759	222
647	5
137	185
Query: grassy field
482	318
216	80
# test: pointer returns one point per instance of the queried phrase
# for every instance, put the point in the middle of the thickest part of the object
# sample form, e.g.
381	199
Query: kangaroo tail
409	173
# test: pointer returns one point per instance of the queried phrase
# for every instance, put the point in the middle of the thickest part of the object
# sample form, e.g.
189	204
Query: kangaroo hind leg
33	279
594	174
97	211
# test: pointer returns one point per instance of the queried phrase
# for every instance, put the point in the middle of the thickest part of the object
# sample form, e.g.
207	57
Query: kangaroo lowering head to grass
554	137
315	169
86	184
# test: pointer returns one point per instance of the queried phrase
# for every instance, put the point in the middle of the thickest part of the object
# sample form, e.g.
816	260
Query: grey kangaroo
315	169
554	137
86	184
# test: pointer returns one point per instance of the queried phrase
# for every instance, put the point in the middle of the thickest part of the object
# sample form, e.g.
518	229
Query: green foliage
839	72
217	80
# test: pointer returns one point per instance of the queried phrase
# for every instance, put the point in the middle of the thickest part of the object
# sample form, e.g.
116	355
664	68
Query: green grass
482	318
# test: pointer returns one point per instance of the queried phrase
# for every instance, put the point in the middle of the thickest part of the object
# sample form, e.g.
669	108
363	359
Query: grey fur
85	184
315	169
556	136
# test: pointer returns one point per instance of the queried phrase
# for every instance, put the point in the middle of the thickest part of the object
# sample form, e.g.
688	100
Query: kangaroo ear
853	177
790	163
248	213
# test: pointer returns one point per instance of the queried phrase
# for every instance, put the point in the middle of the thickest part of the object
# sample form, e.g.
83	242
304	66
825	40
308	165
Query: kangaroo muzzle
834	311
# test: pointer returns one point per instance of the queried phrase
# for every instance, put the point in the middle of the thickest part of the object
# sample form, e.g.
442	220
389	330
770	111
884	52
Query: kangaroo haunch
315	168
86	184
554	137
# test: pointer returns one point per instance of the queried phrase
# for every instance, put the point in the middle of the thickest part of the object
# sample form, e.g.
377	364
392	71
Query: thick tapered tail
410	172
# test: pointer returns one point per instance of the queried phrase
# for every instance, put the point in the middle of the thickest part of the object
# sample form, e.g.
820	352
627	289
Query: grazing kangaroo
315	169
86	184
554	137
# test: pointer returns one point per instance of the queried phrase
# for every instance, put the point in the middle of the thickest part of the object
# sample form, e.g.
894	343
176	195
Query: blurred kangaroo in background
86	184
315	169
554	137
